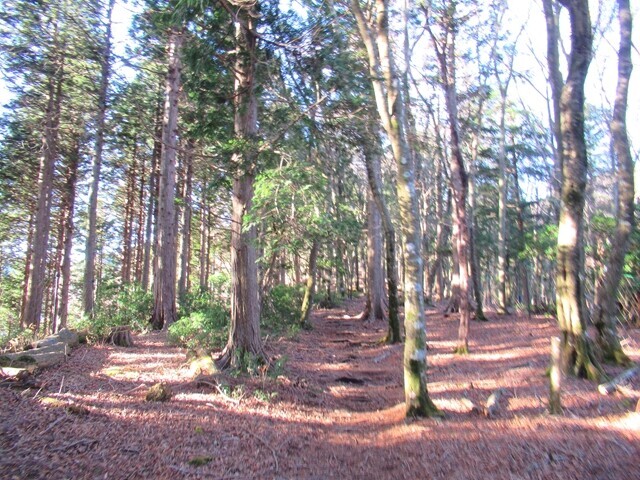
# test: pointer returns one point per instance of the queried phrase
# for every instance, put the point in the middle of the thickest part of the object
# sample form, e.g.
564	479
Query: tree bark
390	106
374	176
164	288
185	254
604	317
576	349
374	309
244	331
37	271
555	79
89	287
69	204
445	52
310	285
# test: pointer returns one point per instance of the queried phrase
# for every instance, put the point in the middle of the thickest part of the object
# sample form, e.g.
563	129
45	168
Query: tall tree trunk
604	316
152	207
164	288
390	105
374	176
185	254
555	79
89	287
577	355
204	236
69	204
37	271
310	285
375	281
445	53
244	331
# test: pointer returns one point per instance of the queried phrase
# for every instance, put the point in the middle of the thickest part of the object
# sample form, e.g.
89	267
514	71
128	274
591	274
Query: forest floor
334	411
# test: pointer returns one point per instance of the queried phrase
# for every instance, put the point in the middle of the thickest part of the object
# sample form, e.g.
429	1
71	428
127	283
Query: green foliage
281	309
201	330
118	305
541	242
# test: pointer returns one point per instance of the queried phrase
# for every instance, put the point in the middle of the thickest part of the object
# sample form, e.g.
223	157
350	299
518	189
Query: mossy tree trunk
576	349
390	106
310	284
374	176
604	316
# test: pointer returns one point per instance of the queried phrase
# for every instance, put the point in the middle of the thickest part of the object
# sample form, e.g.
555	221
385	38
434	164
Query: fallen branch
615	384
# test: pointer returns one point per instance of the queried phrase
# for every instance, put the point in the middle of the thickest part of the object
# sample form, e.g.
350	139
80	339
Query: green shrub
201	331
118	305
281	308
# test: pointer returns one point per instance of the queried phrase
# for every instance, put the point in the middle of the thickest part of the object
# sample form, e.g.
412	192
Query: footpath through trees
331	407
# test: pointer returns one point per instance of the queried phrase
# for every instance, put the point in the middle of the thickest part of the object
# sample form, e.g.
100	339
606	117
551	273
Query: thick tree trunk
576	349
164	288
89	288
604	316
390	105
244	331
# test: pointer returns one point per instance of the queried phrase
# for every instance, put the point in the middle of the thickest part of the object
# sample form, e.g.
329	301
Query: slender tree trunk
244	331
390	105
203	240
374	176
604	316
37	271
27	268
152	210
459	180
375	281
89	288
164	288
570	252
555	79
310	285
185	254
69	204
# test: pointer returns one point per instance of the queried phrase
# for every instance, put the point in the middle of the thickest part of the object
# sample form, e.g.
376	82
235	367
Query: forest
319	239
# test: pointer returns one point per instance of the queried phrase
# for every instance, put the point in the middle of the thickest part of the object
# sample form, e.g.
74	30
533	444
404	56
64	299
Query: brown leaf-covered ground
335	411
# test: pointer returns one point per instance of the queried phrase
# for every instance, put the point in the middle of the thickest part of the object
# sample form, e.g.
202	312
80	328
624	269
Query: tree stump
121	336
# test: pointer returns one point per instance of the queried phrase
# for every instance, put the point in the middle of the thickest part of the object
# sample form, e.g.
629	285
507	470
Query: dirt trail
334	412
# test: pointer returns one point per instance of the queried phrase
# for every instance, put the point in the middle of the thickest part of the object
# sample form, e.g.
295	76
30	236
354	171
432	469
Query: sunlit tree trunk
604	316
185	254
446	54
374	176
577	354
390	105
244	331
89	288
555	80
37	271
164	288
310	284
68	205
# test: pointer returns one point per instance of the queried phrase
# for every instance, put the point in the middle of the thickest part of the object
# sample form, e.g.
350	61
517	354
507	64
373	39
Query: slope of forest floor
334	411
